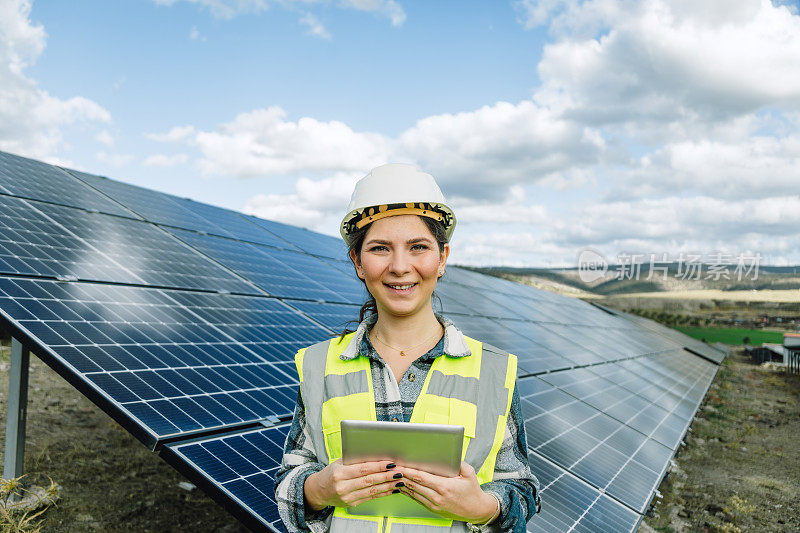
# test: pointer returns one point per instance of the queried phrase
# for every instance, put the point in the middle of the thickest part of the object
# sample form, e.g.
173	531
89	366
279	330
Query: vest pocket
432	417
454	412
333	442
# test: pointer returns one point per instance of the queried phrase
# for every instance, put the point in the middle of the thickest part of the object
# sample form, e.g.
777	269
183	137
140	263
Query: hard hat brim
358	218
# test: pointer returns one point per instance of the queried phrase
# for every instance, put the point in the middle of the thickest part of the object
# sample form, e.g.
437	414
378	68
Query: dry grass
764	295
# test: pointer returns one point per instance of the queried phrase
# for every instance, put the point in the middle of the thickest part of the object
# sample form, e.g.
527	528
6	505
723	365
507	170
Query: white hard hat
396	189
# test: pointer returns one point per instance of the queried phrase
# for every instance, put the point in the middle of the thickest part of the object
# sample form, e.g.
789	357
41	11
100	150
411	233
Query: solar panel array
181	321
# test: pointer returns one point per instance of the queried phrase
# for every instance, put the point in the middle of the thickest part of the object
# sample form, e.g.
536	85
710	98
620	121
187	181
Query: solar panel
165	363
181	321
308	241
152	205
239	470
572	505
475	302
699	348
28	178
279	272
333	316
32	244
622	462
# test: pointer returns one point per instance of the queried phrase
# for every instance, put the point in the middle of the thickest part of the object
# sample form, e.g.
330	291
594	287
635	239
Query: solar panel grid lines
570	504
178	371
235	225
592	445
333	316
346	286
156	207
269	269
590	339
660	413
699	348
239	469
474	300
28	178
48	240
33	244
540	349
150	254
184	213
308	241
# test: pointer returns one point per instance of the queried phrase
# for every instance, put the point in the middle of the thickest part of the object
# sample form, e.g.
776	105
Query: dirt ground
108	480
740	470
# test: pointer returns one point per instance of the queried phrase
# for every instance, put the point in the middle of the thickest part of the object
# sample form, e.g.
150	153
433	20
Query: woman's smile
401	288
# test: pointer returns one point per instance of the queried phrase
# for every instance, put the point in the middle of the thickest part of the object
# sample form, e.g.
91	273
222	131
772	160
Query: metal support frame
17	410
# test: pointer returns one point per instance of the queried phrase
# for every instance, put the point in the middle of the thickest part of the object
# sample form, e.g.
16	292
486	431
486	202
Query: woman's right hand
341	485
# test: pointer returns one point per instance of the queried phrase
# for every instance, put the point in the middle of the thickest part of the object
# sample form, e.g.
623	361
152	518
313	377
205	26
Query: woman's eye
377	248
419	246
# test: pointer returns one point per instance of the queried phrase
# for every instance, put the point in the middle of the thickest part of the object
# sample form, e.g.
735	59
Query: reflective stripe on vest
457	390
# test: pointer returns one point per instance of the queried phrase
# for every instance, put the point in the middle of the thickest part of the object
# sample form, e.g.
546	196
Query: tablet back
435	448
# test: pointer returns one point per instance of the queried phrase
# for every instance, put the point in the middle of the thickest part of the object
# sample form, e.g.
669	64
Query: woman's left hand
457	498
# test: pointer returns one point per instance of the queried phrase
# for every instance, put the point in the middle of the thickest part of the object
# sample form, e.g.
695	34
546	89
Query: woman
397	230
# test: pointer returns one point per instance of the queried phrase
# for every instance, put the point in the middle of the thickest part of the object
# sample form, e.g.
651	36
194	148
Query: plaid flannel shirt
515	486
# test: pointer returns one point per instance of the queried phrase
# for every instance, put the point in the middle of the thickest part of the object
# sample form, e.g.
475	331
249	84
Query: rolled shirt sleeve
299	461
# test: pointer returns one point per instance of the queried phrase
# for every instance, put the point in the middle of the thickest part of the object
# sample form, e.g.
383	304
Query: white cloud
315	27
753	167
678	221
389	8
228	9
513	209
516	248
314	204
263	143
533	13
488	150
104	137
225	9
176	134
115	160
194	34
479	154
161	160
32	121
661	62
701	224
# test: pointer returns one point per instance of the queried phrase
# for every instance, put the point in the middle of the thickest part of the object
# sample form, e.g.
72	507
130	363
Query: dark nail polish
395	491
390	466
400	484
397	475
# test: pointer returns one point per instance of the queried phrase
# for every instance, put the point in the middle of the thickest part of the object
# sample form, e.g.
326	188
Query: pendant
402	353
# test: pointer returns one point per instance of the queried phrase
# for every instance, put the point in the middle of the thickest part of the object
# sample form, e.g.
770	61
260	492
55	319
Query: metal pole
17	410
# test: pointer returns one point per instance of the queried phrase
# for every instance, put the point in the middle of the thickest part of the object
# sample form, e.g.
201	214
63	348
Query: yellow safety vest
473	391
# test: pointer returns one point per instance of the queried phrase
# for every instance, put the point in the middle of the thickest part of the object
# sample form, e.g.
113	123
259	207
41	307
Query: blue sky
553	126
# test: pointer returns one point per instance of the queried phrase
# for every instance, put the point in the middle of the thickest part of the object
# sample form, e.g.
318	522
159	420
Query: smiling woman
400	262
404	363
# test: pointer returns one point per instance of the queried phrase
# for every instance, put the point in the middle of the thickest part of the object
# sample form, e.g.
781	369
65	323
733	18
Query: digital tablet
435	448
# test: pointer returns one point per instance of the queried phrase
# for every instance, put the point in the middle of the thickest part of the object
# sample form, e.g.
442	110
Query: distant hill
568	280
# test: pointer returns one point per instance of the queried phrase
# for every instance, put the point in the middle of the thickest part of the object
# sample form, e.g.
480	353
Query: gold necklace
403	352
